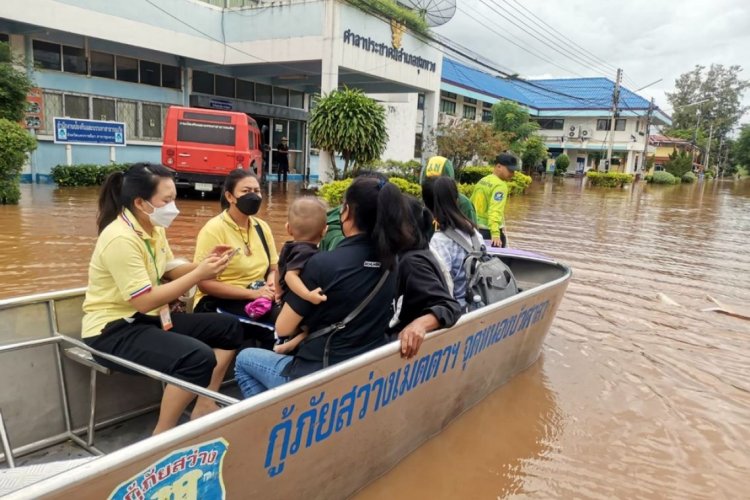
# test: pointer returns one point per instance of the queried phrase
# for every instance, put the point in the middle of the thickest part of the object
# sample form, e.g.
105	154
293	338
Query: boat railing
63	343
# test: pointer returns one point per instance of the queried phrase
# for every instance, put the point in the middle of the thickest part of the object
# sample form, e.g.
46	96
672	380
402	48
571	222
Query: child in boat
307	226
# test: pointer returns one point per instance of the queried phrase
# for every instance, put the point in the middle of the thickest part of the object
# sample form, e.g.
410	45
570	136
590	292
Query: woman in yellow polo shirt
250	273
126	309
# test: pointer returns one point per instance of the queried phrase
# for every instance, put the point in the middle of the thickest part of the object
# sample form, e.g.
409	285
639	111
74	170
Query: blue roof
561	93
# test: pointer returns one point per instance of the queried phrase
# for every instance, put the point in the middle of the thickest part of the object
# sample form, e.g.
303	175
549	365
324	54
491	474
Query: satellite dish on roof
435	12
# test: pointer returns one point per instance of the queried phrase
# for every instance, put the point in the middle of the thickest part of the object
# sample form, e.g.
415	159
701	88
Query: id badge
166	318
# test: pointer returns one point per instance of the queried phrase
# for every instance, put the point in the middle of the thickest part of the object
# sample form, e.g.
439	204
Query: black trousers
184	352
487	236
258	336
283	171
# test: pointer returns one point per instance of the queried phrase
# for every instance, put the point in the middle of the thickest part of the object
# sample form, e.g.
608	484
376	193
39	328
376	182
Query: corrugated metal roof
561	93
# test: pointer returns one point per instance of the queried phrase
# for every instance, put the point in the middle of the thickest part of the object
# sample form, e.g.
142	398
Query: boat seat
85	358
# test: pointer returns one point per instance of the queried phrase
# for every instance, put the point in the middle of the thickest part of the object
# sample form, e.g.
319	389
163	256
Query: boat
326	435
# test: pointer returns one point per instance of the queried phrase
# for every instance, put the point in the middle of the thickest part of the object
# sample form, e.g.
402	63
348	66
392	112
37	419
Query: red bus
203	145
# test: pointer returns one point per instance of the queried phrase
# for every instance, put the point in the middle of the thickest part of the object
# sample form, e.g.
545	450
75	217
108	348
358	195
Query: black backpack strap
349	317
263	241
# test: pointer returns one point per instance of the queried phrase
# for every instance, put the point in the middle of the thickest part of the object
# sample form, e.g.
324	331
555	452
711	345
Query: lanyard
153	259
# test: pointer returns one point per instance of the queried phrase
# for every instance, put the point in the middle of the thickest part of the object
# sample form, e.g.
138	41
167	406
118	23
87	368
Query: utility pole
615	100
708	146
648	128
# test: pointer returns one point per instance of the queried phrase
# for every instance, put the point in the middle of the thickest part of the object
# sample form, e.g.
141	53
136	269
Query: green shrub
709	174
393	10
608	179
472	175
562	162
664	177
649	178
466	189
519	183
689	178
15	144
333	192
85	174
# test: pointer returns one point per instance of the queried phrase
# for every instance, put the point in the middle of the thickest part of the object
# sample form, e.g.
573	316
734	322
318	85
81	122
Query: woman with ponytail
374	223
133	277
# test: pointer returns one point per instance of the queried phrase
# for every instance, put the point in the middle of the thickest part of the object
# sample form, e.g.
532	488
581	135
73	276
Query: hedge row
84	174
608	179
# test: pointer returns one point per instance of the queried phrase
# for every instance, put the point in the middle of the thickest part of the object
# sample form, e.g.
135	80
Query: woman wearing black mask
250	273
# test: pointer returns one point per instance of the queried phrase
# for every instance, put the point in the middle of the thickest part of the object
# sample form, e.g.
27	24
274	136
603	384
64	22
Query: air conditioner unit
572	134
572	128
586	133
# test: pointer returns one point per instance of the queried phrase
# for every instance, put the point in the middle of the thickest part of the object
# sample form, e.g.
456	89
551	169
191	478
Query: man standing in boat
490	196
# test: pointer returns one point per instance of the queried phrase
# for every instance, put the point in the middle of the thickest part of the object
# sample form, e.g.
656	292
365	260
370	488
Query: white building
129	61
574	114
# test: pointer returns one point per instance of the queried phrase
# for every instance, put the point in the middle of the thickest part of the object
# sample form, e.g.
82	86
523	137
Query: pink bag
258	308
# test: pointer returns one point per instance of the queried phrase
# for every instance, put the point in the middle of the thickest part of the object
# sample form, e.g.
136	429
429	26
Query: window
469	100
47	55
486	115
103	109
448	95
245	90
150	73
420	101
127	112
171	76
53	106
76	106
550	123
74	60
606	123
151	120
470	112
251	140
296	99
487	105
280	96
637	126
296	137
448	107
127	69
4	38
263	93
224	86
417	145
102	65
203	82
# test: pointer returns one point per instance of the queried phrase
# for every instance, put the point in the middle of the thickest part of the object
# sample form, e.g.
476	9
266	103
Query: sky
648	39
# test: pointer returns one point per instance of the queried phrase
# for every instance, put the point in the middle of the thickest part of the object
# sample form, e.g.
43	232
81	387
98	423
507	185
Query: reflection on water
632	398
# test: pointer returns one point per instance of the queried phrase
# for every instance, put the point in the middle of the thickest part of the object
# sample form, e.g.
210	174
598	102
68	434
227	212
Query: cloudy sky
649	39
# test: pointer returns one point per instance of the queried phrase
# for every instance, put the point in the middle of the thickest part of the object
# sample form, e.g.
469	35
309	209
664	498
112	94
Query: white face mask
163	216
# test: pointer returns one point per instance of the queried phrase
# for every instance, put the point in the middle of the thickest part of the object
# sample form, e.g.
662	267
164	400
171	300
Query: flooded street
633	397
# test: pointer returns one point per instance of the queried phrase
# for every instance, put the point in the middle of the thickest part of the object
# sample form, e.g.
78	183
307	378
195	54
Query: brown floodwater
633	396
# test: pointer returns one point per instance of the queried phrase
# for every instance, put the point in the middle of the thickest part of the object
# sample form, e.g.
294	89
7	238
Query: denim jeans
258	370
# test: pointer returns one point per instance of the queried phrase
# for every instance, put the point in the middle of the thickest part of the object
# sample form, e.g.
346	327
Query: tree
534	152
513	119
741	147
15	141
680	162
562	162
348	122
722	89
14	86
462	142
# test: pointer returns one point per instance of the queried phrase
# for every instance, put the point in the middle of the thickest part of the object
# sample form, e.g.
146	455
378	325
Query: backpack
488	278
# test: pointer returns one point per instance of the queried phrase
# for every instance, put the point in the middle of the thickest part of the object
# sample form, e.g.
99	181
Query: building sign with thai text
397	54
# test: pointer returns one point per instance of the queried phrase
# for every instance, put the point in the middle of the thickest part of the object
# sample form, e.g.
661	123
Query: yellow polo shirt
122	268
242	269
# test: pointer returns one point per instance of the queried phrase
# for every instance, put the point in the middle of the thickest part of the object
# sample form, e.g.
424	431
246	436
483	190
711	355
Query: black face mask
249	204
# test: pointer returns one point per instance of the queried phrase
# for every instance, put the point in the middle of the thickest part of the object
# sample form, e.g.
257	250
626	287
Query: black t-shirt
347	275
421	289
294	256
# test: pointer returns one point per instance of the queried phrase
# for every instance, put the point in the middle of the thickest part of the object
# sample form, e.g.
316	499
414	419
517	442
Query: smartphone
234	252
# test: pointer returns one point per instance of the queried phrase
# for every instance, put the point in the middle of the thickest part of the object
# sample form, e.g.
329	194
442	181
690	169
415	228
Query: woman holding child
374	223
250	274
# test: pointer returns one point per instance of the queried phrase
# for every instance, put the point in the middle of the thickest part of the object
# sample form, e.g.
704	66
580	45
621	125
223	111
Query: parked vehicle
203	145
